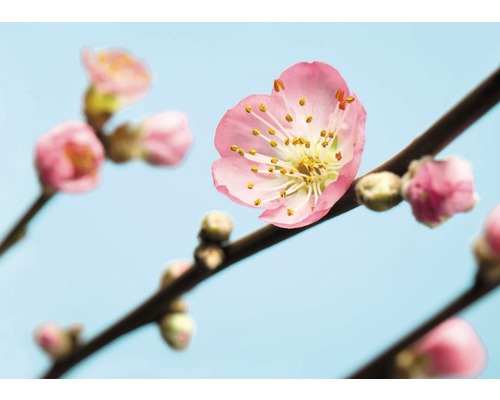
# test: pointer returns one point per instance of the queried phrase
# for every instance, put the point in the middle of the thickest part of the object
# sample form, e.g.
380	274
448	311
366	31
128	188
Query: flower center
305	159
82	159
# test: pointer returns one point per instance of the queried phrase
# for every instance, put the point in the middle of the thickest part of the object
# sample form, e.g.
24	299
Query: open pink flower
452	349
68	157
295	152
165	138
436	190
118	73
492	232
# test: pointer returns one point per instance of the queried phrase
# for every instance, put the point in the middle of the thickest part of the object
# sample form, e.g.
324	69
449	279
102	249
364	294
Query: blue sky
316	306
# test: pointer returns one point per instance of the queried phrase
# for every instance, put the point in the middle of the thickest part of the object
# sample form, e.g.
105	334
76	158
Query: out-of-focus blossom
295	152
68	158
54	340
436	190
117	79
487	250
452	349
177	329
492	232
165	138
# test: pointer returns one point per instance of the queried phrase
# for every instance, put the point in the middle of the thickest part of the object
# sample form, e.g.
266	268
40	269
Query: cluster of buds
69	157
451	350
176	326
56	341
435	189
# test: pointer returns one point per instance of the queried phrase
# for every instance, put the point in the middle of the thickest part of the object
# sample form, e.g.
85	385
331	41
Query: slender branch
437	137
19	229
382	366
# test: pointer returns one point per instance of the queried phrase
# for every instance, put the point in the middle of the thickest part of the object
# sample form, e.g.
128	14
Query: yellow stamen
283	171
323	133
287	142
234	147
278	85
289	118
250	185
302	101
290	212
252	152
338	156
292	171
271	169
324	144
274	160
241	152
248	109
256	132
272	131
302	140
282	193
257	202
295	140
350	99
262	107
309	119
273	143
331	135
308	144
254	169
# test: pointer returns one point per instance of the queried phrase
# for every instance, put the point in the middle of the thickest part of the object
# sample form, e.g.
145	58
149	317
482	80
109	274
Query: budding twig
437	137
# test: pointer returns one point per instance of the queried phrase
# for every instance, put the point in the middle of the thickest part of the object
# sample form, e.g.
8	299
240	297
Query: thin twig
437	137
382	366
19	229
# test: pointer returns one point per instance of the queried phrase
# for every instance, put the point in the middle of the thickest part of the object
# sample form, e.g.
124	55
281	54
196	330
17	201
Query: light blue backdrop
318	305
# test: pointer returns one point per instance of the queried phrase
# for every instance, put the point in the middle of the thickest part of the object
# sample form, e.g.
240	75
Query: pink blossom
166	138
68	157
452	349
295	152
53	339
436	190
118	73
492	232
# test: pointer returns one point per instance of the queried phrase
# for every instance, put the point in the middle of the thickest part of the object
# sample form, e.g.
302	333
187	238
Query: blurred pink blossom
118	73
165	138
452	349
295	152
492	231
53	339
436	190
68	157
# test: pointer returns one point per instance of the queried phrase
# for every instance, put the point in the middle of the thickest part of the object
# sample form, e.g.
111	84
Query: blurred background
316	306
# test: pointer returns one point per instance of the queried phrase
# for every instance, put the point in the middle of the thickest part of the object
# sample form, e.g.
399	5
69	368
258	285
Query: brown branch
437	137
19	229
382	366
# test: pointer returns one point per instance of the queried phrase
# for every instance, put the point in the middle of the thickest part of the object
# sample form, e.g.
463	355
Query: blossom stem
19	229
381	366
431	142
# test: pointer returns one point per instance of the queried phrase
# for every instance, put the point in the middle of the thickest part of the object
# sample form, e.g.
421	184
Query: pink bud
68	157
452	349
53	339
492	231
166	138
436	190
116	72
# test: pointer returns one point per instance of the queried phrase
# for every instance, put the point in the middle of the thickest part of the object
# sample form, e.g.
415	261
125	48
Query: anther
256	132
331	135
254	169
295	141
289	118
324	144
292	171
290	212
350	99
252	152
287	142
250	185
309	179
302	101
323	133
274	160
241	152
272	131
262	107
302	140
308	144
283	171
339	95
271	169
278	85
282	193
273	143
309	119
342	105
338	156
234	147
257	202
248	109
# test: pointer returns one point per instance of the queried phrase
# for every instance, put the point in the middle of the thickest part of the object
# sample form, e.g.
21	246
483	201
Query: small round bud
123	144
174	270
379	191
216	226
178	306
56	341
209	256
177	329
487	250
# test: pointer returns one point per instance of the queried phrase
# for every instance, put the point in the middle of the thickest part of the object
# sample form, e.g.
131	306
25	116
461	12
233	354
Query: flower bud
68	158
487	250
177	329
117	79
209	256
452	349
216	226
165	138
436	190
174	270
379	191
54	340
